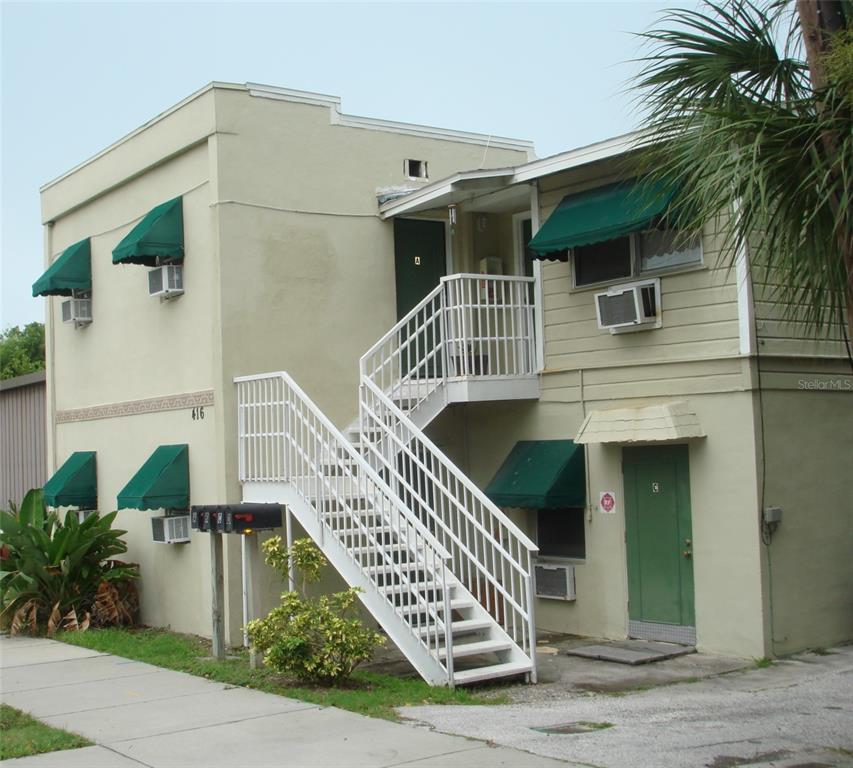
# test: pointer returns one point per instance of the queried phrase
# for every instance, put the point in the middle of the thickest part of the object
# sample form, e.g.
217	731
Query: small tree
21	350
315	640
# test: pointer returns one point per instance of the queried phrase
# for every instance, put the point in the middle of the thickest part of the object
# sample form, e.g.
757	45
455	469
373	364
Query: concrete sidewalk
140	715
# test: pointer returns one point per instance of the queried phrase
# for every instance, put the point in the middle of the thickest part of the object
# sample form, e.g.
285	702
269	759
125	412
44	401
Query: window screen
663	248
560	533
599	262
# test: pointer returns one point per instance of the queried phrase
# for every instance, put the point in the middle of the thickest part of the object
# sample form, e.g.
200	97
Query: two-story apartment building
266	198
512	398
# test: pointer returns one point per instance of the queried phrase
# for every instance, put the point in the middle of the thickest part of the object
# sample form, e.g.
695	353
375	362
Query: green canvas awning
71	271
75	483
601	214
160	235
162	482
541	474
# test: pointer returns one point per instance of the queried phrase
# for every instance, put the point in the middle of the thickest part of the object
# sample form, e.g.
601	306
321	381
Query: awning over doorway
599	214
651	424
157	239
539	474
162	482
75	483
70	271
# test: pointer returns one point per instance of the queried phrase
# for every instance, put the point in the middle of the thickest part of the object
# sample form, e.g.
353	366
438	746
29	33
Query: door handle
687	553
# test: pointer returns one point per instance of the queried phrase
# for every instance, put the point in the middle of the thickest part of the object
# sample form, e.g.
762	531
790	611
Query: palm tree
752	118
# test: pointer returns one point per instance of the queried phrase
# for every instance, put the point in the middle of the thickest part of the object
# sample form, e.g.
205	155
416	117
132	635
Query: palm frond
733	122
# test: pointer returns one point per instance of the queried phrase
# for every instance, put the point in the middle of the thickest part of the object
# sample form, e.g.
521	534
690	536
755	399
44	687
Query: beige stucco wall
307	266
138	348
808	447
287	266
175	583
728	586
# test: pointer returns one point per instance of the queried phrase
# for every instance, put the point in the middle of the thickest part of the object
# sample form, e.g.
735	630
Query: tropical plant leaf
69	621
32	510
733	121
53	620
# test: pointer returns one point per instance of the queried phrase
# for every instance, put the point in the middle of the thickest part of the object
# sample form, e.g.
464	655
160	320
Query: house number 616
198	413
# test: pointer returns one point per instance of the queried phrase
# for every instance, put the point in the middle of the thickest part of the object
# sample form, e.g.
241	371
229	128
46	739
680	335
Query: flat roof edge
127	137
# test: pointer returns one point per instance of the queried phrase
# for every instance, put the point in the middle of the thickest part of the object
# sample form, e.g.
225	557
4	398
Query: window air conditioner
629	307
555	582
77	311
166	281
170	529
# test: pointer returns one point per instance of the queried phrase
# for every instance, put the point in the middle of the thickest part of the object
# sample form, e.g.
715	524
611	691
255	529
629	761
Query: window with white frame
633	255
415	169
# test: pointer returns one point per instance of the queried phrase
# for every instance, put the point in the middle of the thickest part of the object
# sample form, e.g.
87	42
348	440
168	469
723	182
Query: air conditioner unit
171	529
166	281
555	582
77	311
629	307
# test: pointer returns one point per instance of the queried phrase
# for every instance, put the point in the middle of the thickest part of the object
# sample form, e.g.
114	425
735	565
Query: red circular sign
607	502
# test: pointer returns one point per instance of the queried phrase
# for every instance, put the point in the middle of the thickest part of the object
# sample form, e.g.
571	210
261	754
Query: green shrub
315	640
54	571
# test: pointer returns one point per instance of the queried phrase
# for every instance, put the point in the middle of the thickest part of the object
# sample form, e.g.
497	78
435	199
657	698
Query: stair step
343	532
475	649
457	604
465	626
420	586
388	549
468	676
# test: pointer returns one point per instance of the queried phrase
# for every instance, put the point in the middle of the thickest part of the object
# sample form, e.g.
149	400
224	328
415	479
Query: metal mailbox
235	518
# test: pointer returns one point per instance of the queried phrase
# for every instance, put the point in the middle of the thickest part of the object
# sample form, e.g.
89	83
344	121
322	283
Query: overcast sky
77	77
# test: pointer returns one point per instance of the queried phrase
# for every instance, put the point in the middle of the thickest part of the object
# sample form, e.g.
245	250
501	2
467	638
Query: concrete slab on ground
75	671
559	672
168	716
108	694
21	652
86	757
164	719
310	737
631	652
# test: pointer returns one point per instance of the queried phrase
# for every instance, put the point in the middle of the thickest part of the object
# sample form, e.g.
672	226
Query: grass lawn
368	693
22	735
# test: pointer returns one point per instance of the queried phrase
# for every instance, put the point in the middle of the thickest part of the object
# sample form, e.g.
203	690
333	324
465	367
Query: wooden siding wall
23	437
700	316
783	334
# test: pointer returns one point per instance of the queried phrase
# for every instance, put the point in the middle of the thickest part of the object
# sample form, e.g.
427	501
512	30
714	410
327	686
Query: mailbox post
244	520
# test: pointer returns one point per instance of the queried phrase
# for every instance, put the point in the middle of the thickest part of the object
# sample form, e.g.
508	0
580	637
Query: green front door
419	265
659	535
419	260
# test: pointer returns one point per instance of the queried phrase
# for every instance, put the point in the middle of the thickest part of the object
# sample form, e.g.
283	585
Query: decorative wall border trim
135	407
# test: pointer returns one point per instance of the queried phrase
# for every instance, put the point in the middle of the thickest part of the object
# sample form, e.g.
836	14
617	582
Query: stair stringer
399	632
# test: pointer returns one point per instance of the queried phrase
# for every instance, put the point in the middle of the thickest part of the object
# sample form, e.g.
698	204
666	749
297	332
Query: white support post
538	293
244	562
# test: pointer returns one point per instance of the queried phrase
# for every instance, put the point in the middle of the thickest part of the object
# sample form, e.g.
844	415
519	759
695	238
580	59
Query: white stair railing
285	438
490	556
489	326
469	326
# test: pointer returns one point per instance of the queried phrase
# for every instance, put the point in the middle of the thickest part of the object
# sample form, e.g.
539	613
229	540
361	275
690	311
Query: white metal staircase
445	573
